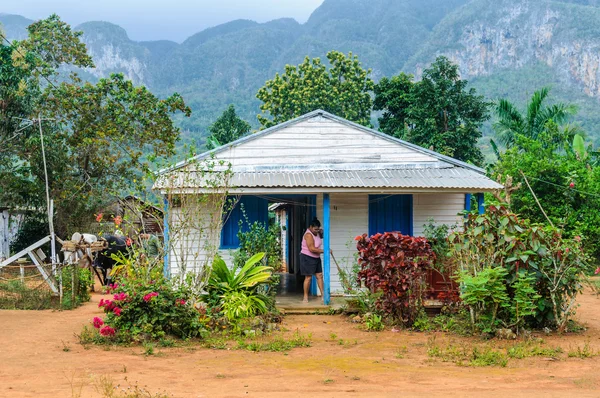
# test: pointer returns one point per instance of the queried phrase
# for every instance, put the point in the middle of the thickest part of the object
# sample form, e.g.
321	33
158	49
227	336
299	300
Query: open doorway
293	213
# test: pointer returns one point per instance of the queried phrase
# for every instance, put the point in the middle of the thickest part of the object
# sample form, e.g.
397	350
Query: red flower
98	322
597	271
101	303
128	241
120	296
107	331
118	220
149	296
572	185
117	311
99	217
180	302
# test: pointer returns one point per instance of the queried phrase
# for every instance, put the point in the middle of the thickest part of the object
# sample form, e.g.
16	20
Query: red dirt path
33	363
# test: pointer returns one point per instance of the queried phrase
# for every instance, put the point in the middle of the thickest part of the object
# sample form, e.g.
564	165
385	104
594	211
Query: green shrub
242	291
515	273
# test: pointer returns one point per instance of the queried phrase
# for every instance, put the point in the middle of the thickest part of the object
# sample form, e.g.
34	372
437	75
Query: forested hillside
506	48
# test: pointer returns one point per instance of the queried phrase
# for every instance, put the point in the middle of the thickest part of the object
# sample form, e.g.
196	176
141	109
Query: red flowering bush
148	309
395	265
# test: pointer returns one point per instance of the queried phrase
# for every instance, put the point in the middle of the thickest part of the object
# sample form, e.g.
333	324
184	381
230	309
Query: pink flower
597	271
180	302
98	322
117	311
578	238
149	296
107	331
101	303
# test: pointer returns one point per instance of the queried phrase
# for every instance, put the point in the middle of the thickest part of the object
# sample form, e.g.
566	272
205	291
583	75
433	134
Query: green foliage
227	128
516	272
33	228
239	293
511	123
438	112
258	238
374	322
343	89
565	183
96	135
32	293
238	304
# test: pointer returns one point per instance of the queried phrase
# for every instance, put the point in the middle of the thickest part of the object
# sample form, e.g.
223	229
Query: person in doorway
310	257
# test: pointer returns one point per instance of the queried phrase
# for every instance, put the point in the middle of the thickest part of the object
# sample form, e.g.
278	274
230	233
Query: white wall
442	207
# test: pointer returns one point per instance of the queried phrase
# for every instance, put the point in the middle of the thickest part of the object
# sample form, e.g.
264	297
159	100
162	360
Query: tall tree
342	89
95	135
438	112
512	123
227	128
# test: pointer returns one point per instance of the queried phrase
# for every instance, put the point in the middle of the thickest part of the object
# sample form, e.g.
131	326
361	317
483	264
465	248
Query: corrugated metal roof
423	178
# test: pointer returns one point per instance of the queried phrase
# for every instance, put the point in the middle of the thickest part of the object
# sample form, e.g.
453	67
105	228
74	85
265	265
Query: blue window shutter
256	209
391	213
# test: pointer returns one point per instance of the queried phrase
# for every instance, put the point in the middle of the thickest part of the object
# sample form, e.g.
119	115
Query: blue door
391	213
248	208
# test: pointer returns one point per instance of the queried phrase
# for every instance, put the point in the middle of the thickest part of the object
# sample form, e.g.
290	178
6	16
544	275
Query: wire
562	186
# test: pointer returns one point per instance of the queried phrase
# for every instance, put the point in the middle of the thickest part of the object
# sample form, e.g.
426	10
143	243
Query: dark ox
103	260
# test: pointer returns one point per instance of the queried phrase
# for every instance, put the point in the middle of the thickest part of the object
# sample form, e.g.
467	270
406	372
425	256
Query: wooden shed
356	180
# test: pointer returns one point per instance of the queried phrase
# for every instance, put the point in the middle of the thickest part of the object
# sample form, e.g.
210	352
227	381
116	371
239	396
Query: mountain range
505	48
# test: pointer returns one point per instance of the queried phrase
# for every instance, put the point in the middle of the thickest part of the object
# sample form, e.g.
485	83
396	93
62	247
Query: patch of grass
466	355
105	386
526	349
582	352
148	349
328	381
486	356
333	336
215	343
167	342
401	352
276	345
66	347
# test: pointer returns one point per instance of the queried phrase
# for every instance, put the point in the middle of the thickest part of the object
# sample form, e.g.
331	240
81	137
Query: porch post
166	245
468	202
326	246
480	204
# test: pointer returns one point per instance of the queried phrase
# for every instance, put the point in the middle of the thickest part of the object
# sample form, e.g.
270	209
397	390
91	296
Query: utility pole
49	203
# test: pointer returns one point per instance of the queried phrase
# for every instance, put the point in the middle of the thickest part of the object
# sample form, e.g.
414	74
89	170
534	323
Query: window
256	209
390	213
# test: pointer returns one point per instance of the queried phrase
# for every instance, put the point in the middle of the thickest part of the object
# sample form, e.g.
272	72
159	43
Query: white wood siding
349	218
320	141
443	208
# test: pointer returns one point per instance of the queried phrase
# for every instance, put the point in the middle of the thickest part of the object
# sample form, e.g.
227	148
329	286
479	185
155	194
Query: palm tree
511	123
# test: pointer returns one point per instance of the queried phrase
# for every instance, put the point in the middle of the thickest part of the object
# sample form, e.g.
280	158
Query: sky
159	19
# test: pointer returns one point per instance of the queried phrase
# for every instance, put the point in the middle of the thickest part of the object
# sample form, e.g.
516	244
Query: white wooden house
354	179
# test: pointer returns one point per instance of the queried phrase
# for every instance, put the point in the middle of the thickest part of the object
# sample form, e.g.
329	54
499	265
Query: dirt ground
40	357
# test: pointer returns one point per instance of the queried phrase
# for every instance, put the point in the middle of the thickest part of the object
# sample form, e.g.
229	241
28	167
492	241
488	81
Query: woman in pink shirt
310	256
